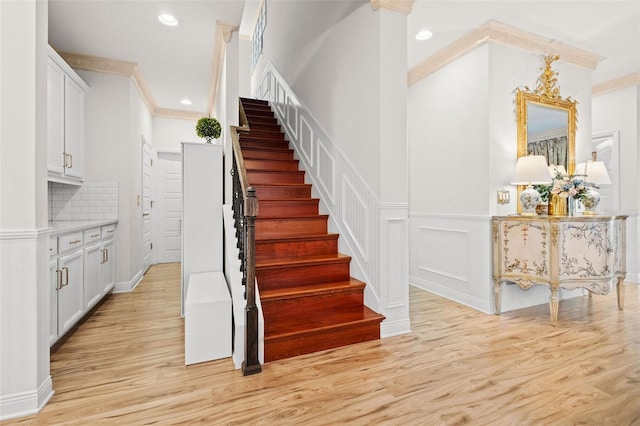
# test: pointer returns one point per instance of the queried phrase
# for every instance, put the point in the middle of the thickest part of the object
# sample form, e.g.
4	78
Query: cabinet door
92	265
108	269
70	296
73	127
55	118
53	301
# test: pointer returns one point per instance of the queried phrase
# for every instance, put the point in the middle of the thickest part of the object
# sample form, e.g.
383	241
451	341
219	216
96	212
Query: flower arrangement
574	186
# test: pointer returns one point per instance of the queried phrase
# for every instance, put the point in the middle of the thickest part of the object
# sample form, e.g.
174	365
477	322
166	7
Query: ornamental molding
616	84
497	32
400	6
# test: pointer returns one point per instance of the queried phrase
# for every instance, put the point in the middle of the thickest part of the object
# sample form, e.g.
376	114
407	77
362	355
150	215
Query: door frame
144	143
157	176
614	175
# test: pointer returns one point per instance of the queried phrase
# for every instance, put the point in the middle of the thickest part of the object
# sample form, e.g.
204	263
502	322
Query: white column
25	383
394	178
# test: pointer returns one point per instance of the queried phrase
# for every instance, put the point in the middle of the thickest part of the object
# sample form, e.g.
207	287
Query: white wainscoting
25	383
450	255
374	234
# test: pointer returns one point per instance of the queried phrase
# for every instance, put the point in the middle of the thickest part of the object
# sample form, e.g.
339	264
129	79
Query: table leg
620	290
553	305
497	287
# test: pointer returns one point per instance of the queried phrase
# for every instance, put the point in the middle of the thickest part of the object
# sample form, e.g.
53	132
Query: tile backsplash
91	201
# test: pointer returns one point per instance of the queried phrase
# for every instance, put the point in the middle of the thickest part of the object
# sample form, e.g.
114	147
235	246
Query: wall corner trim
497	32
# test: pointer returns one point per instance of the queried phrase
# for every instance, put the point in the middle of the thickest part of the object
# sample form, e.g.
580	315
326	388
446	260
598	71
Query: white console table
560	252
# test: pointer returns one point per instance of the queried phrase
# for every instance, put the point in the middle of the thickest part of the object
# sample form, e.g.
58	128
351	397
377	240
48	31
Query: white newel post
25	382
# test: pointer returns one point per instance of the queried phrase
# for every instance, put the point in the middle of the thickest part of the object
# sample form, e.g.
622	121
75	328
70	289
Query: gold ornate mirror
546	121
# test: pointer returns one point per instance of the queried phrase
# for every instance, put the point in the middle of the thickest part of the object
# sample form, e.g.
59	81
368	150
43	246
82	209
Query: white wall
116	118
330	58
168	133
462	149
620	110
25	382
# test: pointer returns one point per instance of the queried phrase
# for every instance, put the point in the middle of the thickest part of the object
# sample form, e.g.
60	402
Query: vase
558	205
572	206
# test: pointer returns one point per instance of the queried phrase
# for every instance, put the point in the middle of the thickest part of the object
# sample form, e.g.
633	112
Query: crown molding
178	114
131	70
497	32
400	6
616	84
224	32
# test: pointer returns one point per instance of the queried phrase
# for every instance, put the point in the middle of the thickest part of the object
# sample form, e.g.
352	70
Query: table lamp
531	170
595	172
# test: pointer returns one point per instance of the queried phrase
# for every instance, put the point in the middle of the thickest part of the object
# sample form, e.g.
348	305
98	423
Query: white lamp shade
595	171
531	169
556	169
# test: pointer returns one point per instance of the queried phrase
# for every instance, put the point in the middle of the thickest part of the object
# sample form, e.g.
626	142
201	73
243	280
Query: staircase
309	300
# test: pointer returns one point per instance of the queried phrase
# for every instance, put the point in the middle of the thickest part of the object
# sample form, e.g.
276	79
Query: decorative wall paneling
373	233
24	303
465	278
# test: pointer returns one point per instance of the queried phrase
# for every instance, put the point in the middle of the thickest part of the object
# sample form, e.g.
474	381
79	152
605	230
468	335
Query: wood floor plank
125	366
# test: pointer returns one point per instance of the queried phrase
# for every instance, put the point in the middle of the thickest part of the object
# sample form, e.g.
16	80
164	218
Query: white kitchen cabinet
108	266
54	282
65	121
71	291
92	266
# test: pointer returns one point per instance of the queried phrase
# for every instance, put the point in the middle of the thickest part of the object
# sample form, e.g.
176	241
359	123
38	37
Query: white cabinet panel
73	128
108	266
92	266
70	295
54	282
55	118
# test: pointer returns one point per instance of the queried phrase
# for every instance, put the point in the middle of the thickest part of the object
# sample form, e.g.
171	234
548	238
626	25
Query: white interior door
168	207
605	149
147	204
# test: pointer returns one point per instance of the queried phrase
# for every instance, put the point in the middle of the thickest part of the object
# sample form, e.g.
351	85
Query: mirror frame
547	94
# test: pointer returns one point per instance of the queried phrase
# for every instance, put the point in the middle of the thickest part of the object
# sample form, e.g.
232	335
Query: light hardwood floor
125	366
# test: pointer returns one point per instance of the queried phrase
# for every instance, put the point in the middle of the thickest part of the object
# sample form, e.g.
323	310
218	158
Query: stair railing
245	211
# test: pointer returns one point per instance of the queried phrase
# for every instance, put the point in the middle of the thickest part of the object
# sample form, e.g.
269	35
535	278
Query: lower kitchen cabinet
82	272
70	290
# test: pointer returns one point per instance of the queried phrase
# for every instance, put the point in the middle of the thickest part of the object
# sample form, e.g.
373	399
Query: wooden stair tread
286	261
314	216
330	320
298	238
308	290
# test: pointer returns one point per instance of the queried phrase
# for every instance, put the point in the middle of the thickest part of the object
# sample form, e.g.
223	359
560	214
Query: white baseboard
129	286
28	403
456	296
632	278
395	328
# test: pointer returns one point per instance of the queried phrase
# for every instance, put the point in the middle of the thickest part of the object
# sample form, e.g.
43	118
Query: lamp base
590	202
530	198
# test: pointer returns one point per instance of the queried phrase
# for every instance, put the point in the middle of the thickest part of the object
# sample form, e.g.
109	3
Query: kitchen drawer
109	231
91	235
53	246
69	241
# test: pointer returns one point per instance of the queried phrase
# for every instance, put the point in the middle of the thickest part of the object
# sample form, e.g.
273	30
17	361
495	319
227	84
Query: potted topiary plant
208	128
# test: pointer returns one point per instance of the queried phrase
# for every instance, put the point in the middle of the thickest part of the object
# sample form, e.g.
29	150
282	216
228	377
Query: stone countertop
60	227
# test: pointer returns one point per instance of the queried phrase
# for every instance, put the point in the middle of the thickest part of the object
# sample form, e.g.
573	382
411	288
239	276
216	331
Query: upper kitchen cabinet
65	125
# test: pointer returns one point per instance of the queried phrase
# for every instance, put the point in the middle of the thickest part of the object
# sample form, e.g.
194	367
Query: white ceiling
177	61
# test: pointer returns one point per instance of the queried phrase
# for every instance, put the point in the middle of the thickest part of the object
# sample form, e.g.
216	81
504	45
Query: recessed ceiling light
168	20
424	35
186	102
